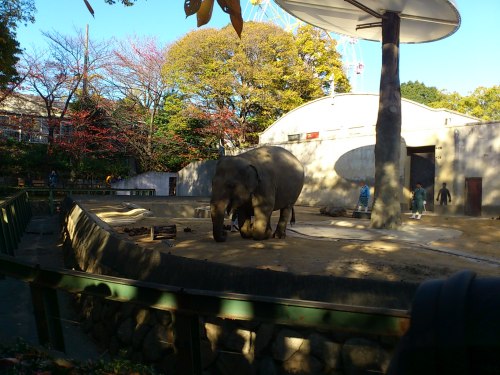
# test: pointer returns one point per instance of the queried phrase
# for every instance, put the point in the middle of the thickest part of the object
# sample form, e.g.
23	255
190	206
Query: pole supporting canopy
421	21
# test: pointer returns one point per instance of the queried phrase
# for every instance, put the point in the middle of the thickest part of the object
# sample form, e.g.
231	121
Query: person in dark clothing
419	195
444	196
53	179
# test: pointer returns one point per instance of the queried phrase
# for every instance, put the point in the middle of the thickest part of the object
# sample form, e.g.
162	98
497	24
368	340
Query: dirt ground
341	246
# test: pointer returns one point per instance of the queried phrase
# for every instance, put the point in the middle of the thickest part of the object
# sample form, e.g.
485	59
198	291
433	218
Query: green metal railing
15	214
52	194
188	305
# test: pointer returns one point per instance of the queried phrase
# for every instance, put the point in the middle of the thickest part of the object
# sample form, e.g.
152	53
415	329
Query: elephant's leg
281	227
261	229
245	221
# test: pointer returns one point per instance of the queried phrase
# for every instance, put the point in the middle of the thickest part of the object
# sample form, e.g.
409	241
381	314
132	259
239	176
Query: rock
327	351
263	338
156	343
333	211
202	212
142	316
125	331
287	343
207	354
140	332
163	317
267	366
214	333
301	363
361	356
233	363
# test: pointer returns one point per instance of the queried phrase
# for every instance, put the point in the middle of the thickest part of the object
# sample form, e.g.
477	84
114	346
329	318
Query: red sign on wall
312	135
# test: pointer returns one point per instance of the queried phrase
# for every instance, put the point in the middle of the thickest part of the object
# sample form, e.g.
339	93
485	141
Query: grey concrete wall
464	152
91	246
103	252
149	180
195	180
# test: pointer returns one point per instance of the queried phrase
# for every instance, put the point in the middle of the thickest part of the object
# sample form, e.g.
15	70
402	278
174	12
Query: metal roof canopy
421	21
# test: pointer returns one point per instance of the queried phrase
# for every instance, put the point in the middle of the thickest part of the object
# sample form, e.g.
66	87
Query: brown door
473	196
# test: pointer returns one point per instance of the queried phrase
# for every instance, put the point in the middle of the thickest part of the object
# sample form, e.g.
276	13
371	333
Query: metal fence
51	195
15	214
186	305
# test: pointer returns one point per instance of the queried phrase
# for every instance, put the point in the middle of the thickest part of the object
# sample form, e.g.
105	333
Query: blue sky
462	62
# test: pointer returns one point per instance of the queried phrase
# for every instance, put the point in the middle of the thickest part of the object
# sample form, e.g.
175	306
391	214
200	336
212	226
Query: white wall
149	180
343	152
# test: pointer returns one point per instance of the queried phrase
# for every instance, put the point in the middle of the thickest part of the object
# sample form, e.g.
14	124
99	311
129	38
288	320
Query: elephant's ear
253	177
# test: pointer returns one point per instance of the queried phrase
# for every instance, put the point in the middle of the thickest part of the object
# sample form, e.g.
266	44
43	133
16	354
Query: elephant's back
284	171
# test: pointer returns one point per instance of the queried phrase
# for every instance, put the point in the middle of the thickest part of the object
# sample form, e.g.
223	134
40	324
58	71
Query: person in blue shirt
364	196
417	207
53	179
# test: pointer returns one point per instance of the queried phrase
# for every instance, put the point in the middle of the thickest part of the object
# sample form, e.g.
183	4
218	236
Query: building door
473	196
423	169
172	185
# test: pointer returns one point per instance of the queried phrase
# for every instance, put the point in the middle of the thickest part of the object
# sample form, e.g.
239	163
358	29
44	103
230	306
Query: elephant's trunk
217	212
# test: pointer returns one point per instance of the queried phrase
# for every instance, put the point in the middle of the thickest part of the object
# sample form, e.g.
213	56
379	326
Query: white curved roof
421	20
348	115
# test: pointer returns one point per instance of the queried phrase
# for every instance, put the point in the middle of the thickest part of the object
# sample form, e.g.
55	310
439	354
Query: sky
464	61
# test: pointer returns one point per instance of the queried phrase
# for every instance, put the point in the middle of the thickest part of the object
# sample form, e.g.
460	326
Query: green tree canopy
259	77
12	12
420	93
319	52
483	103
9	56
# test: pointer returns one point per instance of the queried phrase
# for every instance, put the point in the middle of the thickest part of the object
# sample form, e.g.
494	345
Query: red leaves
221	125
85	136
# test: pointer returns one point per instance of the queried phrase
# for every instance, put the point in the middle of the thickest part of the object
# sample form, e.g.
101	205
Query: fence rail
15	214
187	305
52	194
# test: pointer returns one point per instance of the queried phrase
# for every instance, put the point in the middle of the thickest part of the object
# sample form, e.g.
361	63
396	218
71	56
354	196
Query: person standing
364	196
444	195
53	179
419	196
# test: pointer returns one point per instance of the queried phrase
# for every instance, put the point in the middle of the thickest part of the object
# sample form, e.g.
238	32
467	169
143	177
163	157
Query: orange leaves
191	7
204	8
204	14
233	8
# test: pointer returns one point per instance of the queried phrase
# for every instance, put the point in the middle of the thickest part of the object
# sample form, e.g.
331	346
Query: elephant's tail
292	219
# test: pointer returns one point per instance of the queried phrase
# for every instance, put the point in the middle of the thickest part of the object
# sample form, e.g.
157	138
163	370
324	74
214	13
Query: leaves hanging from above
233	8
89	7
204	14
191	7
204	8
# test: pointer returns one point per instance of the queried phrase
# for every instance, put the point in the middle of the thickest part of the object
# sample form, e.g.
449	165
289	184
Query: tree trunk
387	209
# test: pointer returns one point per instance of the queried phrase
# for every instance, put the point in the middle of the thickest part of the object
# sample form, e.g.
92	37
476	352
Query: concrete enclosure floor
434	247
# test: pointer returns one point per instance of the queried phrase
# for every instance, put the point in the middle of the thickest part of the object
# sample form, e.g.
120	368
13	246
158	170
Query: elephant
254	184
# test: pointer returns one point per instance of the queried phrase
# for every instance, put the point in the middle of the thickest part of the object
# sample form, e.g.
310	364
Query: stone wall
228	346
231	347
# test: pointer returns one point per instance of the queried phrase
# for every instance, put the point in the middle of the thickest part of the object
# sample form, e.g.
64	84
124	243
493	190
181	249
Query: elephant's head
234	182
